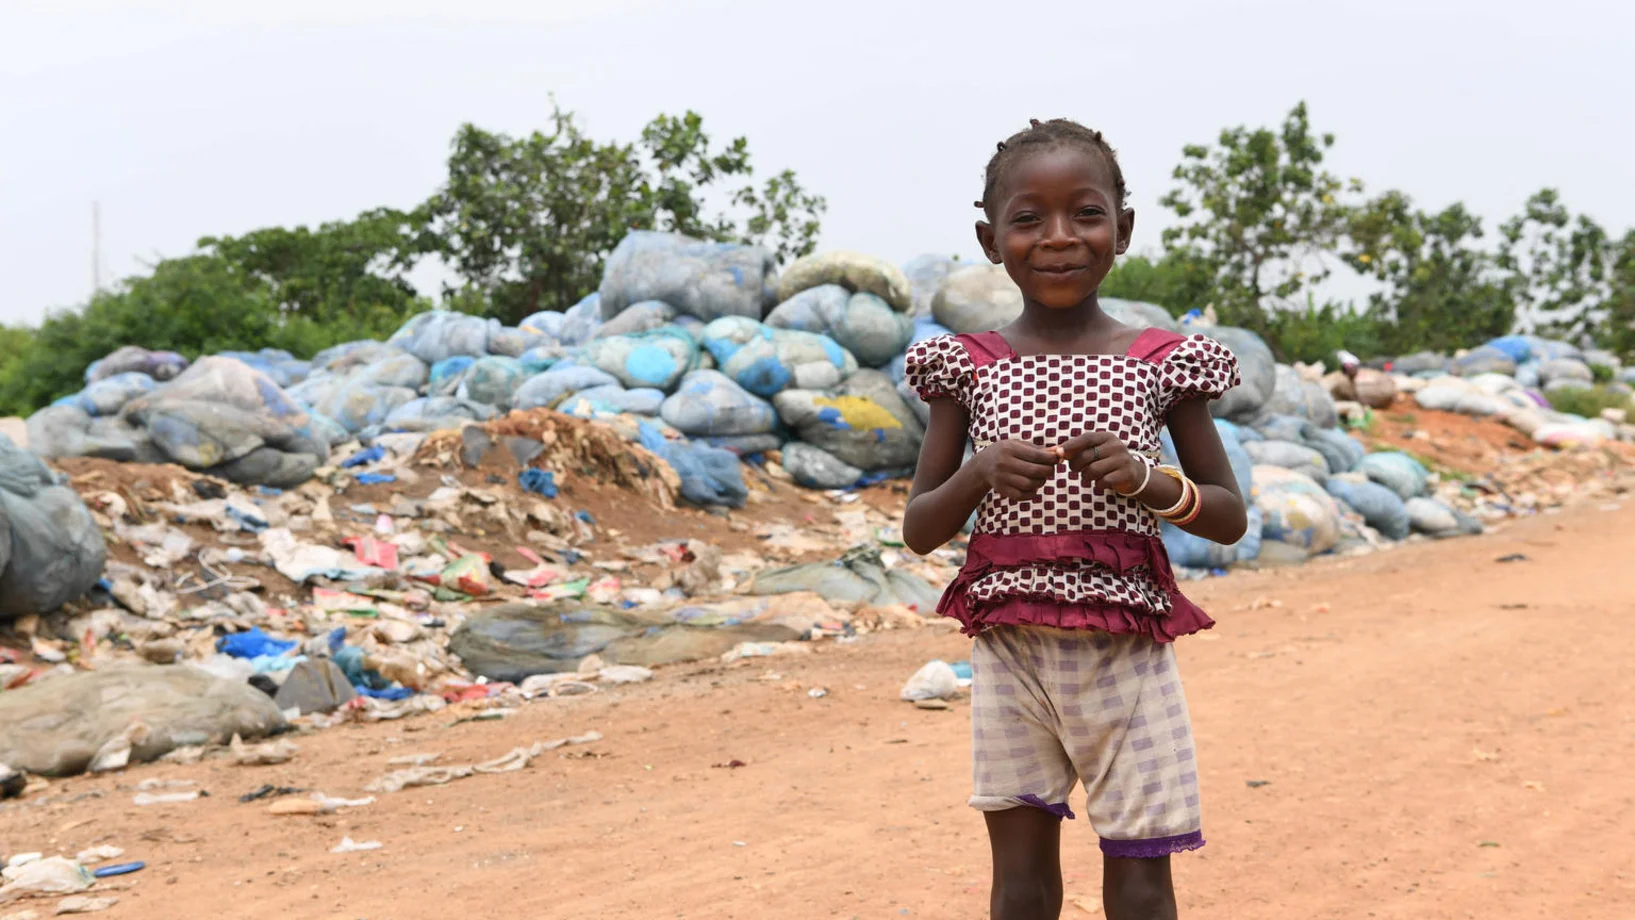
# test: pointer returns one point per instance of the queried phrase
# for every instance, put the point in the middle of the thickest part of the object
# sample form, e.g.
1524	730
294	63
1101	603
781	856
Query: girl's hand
1101	459
1015	469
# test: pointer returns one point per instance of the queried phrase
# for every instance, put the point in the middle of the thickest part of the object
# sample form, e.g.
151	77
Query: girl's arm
947	490
1203	458
1104	459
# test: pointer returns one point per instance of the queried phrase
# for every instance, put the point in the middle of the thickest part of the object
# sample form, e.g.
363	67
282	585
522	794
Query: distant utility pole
96	247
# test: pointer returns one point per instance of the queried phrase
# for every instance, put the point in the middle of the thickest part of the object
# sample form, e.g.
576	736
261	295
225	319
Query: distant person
1349	363
1066	585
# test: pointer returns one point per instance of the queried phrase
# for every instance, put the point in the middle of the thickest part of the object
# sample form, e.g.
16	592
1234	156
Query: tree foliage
524	224
1558	267
1438	289
1259	210
528	222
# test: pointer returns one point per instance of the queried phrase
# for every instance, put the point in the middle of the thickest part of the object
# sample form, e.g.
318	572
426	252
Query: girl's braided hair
1043	135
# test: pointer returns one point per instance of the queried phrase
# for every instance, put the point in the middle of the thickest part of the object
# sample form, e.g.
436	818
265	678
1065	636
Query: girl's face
1056	225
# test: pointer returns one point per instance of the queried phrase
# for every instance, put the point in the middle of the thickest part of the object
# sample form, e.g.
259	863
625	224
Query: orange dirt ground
1438	734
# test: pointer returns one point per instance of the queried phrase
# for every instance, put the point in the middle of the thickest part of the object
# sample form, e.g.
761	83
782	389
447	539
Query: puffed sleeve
940	368
1199	367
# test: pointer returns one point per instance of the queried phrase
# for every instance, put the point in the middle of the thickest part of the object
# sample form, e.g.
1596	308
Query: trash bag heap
707	357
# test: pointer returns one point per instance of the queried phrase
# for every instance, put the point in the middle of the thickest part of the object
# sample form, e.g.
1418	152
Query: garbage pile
1510	378
470	570
708	363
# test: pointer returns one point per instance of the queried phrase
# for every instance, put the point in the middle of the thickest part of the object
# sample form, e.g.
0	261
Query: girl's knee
1026	898
1138	889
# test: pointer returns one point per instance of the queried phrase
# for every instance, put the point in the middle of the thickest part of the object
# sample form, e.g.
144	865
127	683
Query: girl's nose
1058	230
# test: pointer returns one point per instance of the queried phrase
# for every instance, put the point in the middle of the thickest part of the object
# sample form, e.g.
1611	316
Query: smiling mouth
1060	269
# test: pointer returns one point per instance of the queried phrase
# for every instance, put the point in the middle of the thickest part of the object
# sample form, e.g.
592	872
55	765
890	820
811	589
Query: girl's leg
1027	864
1137	889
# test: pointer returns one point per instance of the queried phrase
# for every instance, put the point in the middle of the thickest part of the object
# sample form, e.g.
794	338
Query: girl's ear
1126	228
985	238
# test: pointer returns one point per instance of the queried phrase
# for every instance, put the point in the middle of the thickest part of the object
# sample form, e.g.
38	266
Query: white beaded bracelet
1146	478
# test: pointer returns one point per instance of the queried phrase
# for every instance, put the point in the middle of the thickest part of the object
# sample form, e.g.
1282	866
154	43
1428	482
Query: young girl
1066	585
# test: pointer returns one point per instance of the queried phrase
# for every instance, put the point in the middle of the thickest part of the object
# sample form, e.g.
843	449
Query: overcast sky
186	119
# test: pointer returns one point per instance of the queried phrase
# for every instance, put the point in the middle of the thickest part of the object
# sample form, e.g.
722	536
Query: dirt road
1430	733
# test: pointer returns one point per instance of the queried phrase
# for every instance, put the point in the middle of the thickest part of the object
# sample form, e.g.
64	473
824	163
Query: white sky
186	119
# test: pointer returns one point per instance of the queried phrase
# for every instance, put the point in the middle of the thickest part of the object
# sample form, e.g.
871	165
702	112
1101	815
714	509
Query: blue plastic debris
119	869
585	516
371	455
374	479
252	644
390	694
247	520
542	482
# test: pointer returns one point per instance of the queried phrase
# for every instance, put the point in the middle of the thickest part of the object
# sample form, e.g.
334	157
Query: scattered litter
98	854
348	845
166	798
730	765
1257	783
80	904
515	759
265	754
817	693
1513	557
268	791
931	704
935	681
541	482
121	869
51	875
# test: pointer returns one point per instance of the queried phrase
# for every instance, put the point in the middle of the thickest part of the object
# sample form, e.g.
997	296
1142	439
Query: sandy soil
1432	733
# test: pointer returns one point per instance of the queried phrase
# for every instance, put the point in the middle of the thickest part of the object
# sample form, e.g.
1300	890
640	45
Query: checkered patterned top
1046	400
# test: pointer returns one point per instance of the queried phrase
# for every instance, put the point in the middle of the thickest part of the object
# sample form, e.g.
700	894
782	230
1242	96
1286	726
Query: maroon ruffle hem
1118	550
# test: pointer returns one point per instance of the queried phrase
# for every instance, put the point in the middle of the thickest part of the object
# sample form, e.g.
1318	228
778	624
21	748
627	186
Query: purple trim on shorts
1153	847
1060	809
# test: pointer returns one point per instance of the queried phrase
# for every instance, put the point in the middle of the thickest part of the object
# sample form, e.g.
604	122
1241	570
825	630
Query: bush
1587	402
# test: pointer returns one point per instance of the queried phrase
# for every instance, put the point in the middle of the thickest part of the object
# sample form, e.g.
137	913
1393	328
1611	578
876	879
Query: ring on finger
1095	453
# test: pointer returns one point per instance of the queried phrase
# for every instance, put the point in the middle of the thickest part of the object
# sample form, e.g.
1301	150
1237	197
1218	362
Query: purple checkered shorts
1051	708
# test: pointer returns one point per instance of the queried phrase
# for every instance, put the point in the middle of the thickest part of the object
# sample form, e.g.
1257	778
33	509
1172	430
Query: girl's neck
1062	328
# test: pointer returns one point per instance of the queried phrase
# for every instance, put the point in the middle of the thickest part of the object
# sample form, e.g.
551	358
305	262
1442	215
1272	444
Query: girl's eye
1090	212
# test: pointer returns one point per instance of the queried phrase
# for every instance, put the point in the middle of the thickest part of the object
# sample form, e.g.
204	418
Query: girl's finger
1088	441
1100	469
1032	453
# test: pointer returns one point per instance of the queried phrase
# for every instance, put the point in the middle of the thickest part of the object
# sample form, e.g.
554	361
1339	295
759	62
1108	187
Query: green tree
1617	330
1172	280
197	304
1260	211
336	271
1441	290
1558	267
529	221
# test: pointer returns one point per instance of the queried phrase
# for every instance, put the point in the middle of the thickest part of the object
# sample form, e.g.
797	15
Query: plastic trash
1289	455
862	323
440	334
979	298
935	681
709	403
348	845
544	391
1257	370
1484	360
253	643
709	476
1433	518
706	280
492	381
816	468
51	549
925	276
655	359
51	875
1396	471
540	482
160	365
1380	507
766	361
638	318
864	422
853	271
